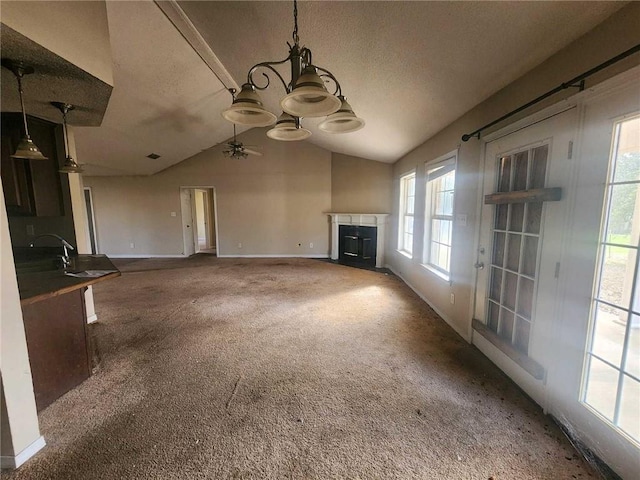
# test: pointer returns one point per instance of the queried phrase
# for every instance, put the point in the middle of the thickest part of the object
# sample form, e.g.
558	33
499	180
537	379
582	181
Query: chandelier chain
296	39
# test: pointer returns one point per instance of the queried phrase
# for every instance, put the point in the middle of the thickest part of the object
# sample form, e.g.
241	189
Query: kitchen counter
55	321
35	286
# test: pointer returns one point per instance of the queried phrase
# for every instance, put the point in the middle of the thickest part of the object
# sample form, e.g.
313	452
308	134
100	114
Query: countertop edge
67	289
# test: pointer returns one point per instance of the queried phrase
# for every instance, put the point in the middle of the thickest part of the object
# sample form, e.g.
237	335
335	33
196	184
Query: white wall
269	204
359	185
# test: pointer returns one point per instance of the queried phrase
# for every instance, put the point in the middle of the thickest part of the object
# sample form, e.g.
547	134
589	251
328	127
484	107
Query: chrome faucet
66	246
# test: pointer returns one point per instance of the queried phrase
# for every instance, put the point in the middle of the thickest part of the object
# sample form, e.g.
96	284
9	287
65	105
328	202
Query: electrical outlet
132	245
452	299
461	219
30	230
173	214
239	245
311	245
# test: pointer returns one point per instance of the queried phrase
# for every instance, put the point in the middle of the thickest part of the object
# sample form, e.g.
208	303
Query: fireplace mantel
378	220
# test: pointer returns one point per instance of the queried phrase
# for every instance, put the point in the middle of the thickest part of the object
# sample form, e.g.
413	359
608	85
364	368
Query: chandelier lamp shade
342	121
306	95
70	165
26	149
288	129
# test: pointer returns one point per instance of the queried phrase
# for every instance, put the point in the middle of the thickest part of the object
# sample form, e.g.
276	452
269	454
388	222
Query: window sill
405	254
532	367
437	273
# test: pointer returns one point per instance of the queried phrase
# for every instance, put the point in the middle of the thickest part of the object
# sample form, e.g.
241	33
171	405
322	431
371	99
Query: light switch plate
461	219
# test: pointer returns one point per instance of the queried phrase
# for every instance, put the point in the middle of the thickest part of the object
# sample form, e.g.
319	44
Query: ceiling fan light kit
306	96
26	150
236	149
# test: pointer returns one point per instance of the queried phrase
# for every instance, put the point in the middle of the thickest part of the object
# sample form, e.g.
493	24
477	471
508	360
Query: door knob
478	265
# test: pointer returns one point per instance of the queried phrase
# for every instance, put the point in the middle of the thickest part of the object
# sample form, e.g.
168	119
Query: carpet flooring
287	369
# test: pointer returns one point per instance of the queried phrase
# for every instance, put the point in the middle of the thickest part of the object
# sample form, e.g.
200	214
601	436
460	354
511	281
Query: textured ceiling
165	99
54	79
408	68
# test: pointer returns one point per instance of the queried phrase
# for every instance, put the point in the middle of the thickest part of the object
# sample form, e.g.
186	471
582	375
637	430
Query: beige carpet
289	368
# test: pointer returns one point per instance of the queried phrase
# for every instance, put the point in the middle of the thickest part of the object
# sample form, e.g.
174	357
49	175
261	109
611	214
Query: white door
520	244
186	206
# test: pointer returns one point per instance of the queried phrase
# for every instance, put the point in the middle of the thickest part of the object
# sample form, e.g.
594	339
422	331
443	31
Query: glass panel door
516	235
612	362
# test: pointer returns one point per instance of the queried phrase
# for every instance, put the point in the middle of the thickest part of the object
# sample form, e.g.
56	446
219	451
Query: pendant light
26	150
306	95
343	121
70	165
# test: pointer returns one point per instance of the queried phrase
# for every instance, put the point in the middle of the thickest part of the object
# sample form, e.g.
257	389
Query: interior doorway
199	226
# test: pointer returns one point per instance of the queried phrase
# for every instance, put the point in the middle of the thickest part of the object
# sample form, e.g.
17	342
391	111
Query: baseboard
448	321
274	256
12	462
92	318
143	255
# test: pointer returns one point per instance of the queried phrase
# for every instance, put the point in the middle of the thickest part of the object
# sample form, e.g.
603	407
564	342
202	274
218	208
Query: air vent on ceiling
153	156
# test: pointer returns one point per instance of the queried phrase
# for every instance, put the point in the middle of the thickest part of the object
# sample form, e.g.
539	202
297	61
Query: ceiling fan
236	149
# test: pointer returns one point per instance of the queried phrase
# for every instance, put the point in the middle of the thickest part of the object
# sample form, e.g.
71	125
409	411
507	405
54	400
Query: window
407	205
612	363
440	178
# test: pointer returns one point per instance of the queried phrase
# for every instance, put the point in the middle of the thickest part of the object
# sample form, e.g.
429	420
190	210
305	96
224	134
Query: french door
526	175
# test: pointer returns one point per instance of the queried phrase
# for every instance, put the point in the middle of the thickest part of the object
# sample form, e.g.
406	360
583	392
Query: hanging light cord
24	115
66	135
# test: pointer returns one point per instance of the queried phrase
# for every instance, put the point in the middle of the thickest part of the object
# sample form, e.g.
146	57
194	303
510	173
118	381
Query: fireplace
357	244
358	238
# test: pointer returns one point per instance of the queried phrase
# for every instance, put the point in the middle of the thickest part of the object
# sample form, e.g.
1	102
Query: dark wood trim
527	363
524	196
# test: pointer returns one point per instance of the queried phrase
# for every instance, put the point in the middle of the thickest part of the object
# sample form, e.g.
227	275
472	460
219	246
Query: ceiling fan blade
251	152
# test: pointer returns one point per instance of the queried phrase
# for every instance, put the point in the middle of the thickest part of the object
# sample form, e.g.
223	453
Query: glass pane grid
407	200
612	360
516	240
439	215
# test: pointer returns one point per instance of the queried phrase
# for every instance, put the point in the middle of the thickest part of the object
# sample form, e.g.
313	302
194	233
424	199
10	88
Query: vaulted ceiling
408	68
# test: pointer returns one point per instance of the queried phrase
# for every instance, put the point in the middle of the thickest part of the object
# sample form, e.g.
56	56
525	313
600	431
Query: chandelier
306	96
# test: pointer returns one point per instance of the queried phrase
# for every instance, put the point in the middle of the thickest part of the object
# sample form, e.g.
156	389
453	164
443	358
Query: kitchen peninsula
53	309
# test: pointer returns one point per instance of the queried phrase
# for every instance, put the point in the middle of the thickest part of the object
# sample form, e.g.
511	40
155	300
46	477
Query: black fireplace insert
357	245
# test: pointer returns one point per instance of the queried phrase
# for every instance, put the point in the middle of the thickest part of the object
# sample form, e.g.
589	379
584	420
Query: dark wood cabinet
32	187
58	344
